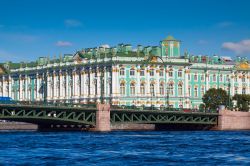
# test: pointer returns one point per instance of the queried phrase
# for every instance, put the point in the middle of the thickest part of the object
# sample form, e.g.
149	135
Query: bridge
45	115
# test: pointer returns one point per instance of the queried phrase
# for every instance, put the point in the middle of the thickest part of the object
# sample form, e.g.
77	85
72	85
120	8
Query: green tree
215	97
243	101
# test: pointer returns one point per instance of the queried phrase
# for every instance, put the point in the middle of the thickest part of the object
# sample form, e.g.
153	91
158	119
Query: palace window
142	72
152	89
122	71
132	72
236	90
188	76
170	74
243	79
132	89
180	89
161	72
162	88
151	72
202	77
214	78
189	91
122	88
228	78
171	89
235	78
244	91
142	88
195	77
195	91
179	73
202	91
221	77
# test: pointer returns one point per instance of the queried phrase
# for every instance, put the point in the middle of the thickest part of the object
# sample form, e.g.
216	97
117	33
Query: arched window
195	77
142	72
171	89
161	88
132	88
142	88
152	89
180	89
236	90
243	90
214	78
195	91
151	72
179	73
161	72
221	78
132	72
243	78
122	71
122	88
170	74
202	91
235	78
202	77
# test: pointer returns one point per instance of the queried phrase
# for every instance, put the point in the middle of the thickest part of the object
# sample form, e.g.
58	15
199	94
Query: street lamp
229	87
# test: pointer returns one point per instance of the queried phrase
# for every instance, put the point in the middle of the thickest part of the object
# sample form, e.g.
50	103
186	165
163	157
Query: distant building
152	75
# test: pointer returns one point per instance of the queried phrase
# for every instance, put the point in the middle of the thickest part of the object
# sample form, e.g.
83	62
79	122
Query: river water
125	148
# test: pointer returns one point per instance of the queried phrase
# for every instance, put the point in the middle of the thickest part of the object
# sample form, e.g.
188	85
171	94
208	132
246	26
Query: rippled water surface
125	148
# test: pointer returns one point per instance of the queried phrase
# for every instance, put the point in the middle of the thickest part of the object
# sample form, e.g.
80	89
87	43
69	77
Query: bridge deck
41	114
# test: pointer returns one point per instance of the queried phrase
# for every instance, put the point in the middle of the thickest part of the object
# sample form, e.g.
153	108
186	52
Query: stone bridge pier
103	118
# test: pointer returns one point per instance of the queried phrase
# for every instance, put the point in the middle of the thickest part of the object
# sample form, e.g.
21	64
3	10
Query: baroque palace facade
152	75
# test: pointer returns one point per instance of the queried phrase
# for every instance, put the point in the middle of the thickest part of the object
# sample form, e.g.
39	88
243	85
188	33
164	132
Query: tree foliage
215	97
243	101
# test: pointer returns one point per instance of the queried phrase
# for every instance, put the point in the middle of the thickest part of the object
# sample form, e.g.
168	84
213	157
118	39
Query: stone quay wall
17	126
233	120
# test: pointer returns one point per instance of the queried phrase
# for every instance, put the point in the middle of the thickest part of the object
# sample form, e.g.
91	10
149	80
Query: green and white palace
145	76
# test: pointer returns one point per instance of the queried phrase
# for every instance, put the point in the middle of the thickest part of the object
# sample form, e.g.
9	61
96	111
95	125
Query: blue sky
30	29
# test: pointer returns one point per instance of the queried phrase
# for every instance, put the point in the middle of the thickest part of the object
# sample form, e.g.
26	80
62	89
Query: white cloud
225	24
238	47
72	23
105	46
63	44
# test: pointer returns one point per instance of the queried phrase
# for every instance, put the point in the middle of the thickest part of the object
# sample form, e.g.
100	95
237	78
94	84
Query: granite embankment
17	126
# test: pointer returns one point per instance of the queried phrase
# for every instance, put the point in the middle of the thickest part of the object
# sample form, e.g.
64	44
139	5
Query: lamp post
229	87
168	97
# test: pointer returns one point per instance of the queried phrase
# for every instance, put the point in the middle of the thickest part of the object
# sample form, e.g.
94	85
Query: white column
67	85
26	88
48	86
82	83
137	89
61	87
87	84
186	84
74	83
77	89
10	87
207	80
98	86
91	83
148	81
157	86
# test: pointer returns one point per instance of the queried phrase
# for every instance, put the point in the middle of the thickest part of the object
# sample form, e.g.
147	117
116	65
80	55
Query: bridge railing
114	107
